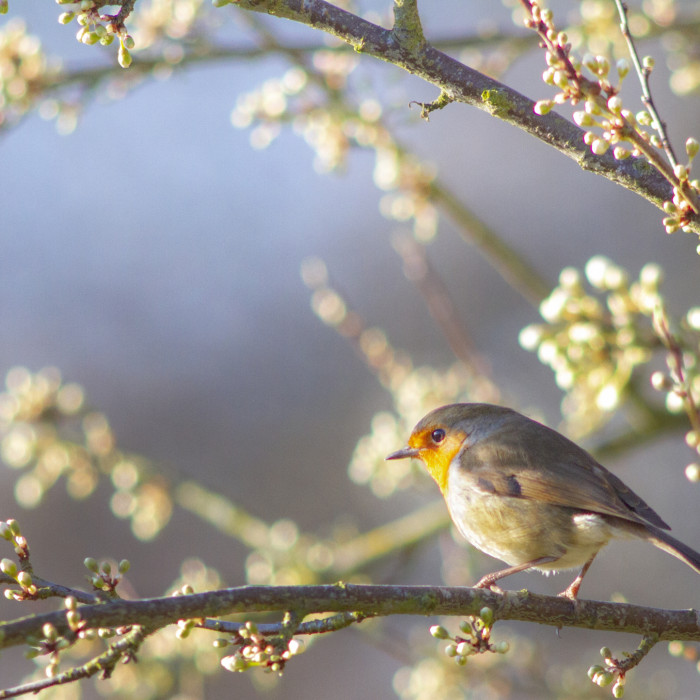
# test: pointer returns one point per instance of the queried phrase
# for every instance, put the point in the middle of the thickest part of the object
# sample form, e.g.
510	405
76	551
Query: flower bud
599	147
439	632
583	119
8	567
623	67
680	171
124	57
615	104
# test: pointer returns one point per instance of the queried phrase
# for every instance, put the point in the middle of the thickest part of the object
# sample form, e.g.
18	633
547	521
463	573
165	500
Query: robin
525	494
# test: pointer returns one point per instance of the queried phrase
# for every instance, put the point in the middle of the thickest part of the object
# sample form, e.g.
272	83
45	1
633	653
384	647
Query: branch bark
367	600
464	84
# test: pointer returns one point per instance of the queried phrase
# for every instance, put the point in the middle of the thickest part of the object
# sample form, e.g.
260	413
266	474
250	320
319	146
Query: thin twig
324	625
123	649
643	75
676	365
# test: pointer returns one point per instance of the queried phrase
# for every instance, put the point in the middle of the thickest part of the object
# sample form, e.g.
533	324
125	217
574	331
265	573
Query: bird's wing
537	463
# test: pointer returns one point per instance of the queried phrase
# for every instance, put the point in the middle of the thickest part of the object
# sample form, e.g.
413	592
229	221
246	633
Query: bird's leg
489	580
572	591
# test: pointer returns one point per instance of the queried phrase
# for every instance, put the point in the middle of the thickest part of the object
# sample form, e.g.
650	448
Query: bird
525	494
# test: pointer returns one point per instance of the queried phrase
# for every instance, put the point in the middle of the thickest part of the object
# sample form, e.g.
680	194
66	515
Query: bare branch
464	84
643	74
373	600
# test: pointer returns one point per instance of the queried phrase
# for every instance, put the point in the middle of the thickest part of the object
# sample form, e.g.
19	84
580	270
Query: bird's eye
438	435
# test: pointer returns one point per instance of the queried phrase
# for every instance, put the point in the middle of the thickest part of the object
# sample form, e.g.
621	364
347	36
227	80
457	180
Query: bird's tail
669	544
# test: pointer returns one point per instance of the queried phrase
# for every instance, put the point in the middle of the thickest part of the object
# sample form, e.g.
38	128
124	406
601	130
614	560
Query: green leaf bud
91	565
451	650
606	653
670	208
66	17
615	104
692	147
7	566
124	566
603	679
107	39
486	614
543	107
671	225
128	41
73	618
124	57
502	647
24	578
618	690
439	632
583	119
14	526
464	649
648	63
623	67
591	62
599	147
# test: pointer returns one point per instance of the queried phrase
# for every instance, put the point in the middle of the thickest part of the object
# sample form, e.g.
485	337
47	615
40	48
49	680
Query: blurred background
153	256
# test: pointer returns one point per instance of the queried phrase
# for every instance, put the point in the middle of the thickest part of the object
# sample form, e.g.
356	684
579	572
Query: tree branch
368	600
463	84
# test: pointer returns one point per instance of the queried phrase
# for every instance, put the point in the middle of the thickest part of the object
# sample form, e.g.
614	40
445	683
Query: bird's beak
403	453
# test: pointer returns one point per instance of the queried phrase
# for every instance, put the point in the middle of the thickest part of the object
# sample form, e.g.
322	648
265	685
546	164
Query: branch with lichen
463	84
